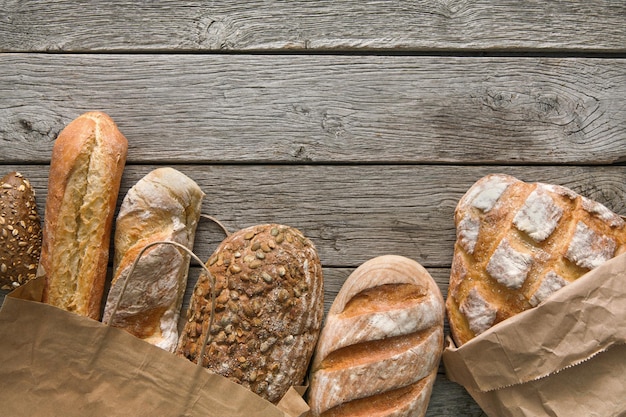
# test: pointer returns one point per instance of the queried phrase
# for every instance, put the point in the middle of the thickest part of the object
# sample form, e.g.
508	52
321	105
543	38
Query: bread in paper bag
77	367
86	168
517	243
268	313
164	205
565	357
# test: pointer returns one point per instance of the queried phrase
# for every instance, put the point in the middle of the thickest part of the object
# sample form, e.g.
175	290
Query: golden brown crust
86	168
380	347
269	288
20	231
519	242
410	400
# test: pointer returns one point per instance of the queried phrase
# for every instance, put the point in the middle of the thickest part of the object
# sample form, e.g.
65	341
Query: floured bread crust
269	308
88	160
380	347
164	205
517	243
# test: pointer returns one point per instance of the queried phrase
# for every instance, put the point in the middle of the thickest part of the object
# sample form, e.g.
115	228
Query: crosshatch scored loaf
519	242
381	344
269	309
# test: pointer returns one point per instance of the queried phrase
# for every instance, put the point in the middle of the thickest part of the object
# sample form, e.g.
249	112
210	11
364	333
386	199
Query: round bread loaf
517	243
381	344
269	310
20	231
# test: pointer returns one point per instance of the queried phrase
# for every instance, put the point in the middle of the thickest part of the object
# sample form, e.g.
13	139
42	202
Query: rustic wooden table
360	123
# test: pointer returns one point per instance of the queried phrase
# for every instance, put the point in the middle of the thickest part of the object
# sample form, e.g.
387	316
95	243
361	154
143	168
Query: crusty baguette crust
269	309
380	347
519	242
164	205
86	168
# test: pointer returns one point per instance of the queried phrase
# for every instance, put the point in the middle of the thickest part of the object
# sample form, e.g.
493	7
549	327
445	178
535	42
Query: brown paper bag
56	363
565	357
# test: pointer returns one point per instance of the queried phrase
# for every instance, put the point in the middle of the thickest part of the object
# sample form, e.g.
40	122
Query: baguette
163	206
517	243
269	309
86	168
380	347
20	231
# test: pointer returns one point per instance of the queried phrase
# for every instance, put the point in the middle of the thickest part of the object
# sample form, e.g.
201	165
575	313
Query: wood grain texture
353	213
361	123
318	109
55	25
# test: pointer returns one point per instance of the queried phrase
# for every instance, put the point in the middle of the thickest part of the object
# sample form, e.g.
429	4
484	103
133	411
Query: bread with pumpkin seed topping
20	231
269	308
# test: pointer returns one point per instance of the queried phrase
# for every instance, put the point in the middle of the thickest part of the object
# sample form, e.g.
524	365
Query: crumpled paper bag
56	363
565	357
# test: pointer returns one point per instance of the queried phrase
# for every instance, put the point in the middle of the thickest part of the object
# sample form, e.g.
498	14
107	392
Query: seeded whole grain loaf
380	346
20	231
517	243
269	309
86	168
164	205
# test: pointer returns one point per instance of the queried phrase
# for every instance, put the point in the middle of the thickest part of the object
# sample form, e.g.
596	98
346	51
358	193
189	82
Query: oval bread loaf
86	169
519	242
20	231
164	205
269	309
380	347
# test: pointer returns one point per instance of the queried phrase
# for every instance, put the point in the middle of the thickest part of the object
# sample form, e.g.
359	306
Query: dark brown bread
269	288
20	231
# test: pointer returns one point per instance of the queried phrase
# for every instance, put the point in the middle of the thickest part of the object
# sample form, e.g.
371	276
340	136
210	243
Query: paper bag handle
194	256
214	220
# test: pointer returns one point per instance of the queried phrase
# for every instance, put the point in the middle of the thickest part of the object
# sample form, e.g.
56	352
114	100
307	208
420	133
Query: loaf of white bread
380	346
86	167
164	205
517	243
269	308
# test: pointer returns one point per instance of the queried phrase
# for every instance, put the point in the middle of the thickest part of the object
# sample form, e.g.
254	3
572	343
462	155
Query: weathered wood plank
304	26
449	399
366	154
301	109
353	213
